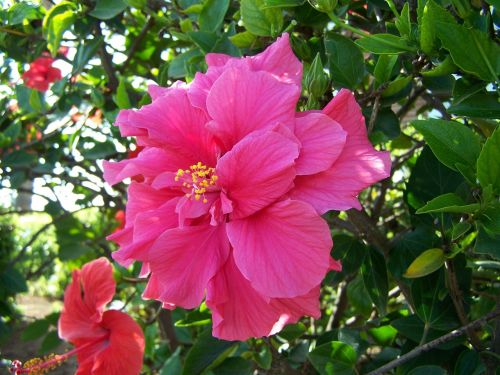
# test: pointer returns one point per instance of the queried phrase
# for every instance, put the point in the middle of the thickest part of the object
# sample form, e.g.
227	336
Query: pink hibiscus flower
235	181
106	342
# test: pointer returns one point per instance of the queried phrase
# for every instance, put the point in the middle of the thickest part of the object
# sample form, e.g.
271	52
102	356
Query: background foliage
420	260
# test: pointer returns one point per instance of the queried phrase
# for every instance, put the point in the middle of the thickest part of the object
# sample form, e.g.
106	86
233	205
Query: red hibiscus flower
41	73
106	342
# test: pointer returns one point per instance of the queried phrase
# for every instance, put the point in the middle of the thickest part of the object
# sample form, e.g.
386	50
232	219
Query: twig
137	42
432	344
167	327
456	297
373	116
107	63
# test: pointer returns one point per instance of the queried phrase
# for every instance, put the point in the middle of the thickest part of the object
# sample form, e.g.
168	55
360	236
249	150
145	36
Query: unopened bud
316	79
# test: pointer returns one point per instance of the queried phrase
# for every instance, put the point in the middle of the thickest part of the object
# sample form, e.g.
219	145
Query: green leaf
194	318
19	12
18	159
469	363
56	21
99	150
403	22
177	67
212	14
13	281
427	370
443	69
346	63
429	261
261	22
350	252
487	244
396	86
437	313
449	202
71	237
35	330
385	44
107	9
204	39
243	40
374	273
432	13
36	100
85	52
334	357
460	229
50	342
173	365
450	141
205	351
121	98
488	163
472	50
482	105
234	366
282	3
358	296
384	67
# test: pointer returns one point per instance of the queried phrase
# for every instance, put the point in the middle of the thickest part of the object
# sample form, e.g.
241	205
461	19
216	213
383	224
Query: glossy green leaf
205	351
35	330
481	105
212	14
346	63
243	40
56	21
21	11
429	261
50	342
431	14
374	273
428	370
396	86
121	97
403	22
334	357
13	281
258	21
448	202
488	163
85	52
282	3
469	363
471	50
460	229
488	244
384	67
173	365
385	44
450	141
107	9
234	366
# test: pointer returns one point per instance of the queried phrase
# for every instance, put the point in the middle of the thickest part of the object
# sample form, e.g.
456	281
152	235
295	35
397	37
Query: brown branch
107	62
137	42
456	297
167	327
434	343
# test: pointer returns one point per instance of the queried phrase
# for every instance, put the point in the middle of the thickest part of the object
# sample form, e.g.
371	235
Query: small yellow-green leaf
426	263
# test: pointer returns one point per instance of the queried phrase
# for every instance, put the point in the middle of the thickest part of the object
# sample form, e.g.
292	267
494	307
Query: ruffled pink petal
124	351
84	299
172	121
190	208
283	250
358	166
143	197
155	91
149	163
322	141
279	60
217	59
242	101
238	311
292	309
183	260
257	171
147	227
335	265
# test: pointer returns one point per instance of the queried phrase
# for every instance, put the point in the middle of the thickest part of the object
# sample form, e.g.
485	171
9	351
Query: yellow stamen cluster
198	178
39	366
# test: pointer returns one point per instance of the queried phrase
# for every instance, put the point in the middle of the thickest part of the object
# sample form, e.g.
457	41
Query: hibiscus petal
149	163
238	311
322	141
84	300
183	260
242	101
279	60
257	171
358	166
123	354
283	250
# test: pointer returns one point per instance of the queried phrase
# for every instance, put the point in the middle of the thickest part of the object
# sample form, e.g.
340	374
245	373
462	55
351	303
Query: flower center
198	179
